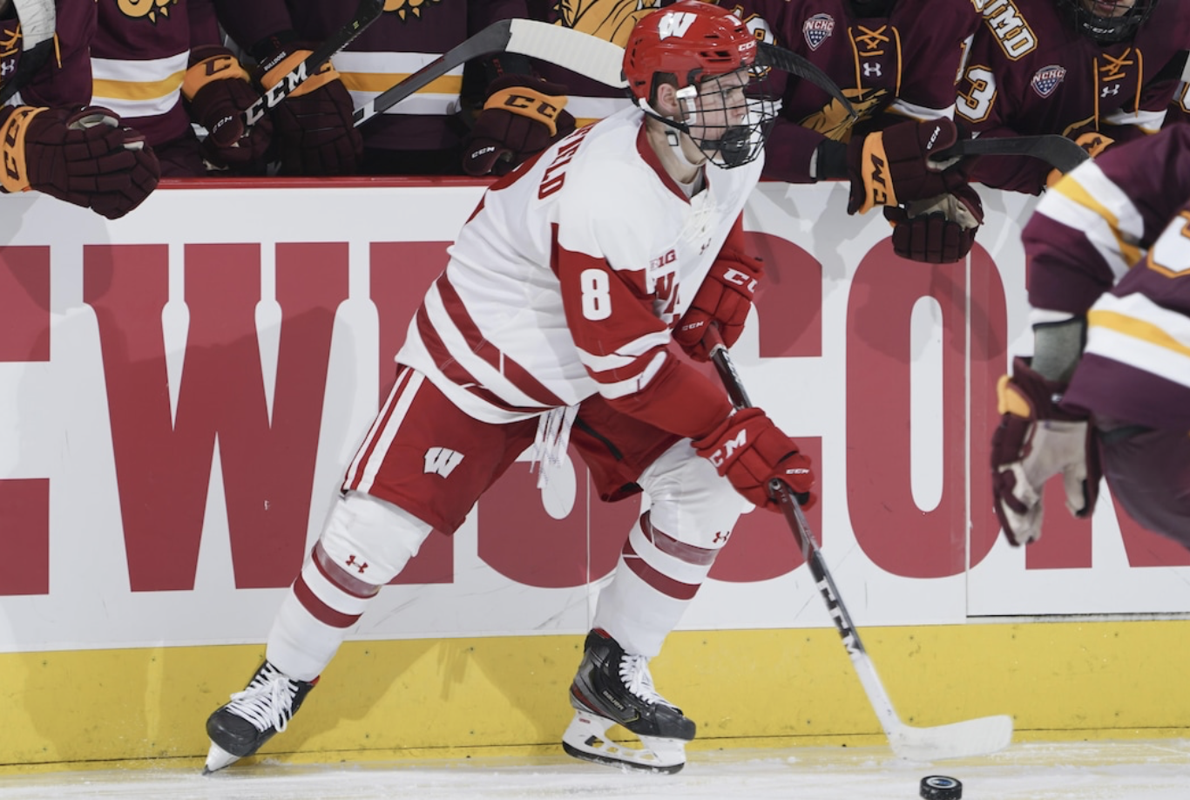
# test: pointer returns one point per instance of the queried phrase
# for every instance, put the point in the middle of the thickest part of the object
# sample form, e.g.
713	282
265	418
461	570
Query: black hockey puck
941	787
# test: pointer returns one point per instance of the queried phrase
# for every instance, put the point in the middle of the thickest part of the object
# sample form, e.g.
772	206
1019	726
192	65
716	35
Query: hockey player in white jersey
551	324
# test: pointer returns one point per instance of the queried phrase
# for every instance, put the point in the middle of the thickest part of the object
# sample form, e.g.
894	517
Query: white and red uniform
561	292
568	277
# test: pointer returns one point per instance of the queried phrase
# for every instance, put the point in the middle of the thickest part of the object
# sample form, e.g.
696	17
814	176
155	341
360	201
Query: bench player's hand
86	157
897	165
940	230
313	128
521	116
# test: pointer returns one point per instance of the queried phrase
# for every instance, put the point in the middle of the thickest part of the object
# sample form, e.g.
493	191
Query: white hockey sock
655	580
365	543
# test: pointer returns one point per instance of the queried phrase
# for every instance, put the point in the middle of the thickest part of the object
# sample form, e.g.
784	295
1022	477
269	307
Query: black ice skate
613	687
264	708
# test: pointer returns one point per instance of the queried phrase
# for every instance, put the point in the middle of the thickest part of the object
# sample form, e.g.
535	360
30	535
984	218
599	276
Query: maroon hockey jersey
139	59
1112	241
1030	72
407	36
902	66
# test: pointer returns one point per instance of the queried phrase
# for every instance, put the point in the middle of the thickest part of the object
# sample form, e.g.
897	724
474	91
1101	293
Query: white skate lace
634	671
267	702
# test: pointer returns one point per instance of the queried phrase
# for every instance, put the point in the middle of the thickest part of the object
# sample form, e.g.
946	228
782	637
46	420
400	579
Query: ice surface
1129	770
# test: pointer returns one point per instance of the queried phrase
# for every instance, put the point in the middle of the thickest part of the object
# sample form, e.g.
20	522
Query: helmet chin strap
674	138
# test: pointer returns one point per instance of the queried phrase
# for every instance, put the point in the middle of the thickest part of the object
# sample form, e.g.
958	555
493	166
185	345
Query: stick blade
594	58
973	737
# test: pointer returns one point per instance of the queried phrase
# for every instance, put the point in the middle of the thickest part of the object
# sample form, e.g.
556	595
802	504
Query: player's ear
666	101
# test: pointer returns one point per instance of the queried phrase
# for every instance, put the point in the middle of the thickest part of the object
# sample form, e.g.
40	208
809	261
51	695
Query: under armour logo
442	461
872	69
721	536
359	567
1111	89
7	67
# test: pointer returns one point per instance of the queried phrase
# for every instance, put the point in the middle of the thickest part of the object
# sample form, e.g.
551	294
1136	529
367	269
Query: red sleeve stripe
624	384
320	610
499	361
456	374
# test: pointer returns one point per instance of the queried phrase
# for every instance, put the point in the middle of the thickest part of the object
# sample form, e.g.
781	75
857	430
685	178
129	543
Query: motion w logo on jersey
442	461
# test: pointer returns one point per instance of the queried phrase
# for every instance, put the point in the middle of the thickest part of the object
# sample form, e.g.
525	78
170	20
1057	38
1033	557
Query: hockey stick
367	12
1059	152
957	740
39	21
579	52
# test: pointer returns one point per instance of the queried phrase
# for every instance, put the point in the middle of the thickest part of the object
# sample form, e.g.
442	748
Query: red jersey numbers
555	174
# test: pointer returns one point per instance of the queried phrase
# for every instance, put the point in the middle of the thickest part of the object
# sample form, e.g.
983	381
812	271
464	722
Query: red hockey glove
218	91
314	130
939	230
521	116
84	157
1036	440
725	297
749	450
894	166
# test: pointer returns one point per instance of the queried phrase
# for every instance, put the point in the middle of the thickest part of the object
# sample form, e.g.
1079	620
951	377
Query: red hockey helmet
689	40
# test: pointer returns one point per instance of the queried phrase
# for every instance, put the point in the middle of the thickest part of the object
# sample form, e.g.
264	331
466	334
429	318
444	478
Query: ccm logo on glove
721	456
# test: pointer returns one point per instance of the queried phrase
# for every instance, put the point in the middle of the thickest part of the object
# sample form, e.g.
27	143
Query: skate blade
586	739
217	759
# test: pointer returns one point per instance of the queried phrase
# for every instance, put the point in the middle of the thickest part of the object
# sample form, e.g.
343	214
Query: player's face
1108	8
721	101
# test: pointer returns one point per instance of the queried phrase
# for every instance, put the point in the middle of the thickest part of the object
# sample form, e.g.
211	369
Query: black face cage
729	117
1108	29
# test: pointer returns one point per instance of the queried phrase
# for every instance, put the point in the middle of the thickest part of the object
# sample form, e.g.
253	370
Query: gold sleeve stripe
1136	329
138	90
383	81
1074	191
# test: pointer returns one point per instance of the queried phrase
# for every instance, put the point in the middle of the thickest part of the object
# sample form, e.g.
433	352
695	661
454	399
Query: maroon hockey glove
313	127
894	166
1037	439
725	297
521	117
749	450
218	90
940	230
84	157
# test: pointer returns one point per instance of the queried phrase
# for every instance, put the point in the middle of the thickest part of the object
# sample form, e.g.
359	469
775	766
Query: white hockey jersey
570	274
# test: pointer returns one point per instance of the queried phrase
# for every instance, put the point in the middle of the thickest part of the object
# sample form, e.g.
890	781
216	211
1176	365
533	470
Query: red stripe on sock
320	610
662	583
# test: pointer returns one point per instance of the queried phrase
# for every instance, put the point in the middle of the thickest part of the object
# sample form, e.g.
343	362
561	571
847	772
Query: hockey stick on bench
367	12
957	740
1059	152
579	52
